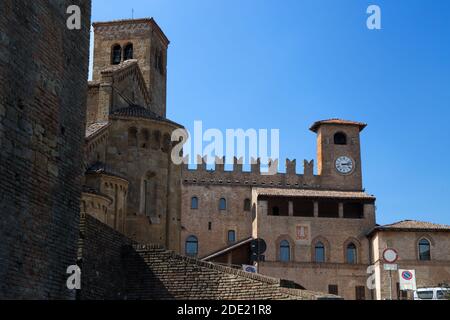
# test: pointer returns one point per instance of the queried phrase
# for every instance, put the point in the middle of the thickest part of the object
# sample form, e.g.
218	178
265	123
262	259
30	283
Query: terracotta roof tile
120	66
95	128
414	225
313	193
136	111
317	124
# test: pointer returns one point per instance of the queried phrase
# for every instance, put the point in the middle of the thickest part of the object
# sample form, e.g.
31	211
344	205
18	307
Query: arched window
319	252
247	205
145	138
231	236
149	195
222	204
166	143
157	59
116	54
161	63
340	138
156	140
132	137
191	248
424	250
128	52
351	253
194	203
285	251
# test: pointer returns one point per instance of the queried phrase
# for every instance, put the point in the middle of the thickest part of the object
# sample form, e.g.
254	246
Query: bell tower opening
116	42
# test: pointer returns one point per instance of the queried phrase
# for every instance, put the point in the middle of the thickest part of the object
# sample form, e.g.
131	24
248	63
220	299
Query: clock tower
339	154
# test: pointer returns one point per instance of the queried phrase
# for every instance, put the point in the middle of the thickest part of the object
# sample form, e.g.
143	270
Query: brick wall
100	253
113	267
195	222
43	72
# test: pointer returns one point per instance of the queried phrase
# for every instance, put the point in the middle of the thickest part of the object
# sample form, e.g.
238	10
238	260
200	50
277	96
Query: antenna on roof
132	13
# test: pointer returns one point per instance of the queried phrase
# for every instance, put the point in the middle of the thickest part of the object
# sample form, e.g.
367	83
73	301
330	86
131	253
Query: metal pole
390	285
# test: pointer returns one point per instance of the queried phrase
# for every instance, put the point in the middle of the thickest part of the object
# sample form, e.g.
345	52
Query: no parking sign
407	279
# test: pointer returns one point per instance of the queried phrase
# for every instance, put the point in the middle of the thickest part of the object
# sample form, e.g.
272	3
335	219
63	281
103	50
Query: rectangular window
320	253
425	295
443	294
360	293
231	236
209	226
333	289
424	250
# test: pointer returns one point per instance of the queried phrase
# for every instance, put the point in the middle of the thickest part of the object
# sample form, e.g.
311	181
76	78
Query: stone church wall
43	72
144	157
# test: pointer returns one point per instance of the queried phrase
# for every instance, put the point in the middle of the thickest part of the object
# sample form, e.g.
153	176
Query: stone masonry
43	71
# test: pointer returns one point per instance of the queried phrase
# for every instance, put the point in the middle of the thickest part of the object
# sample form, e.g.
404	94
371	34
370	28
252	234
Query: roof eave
315	127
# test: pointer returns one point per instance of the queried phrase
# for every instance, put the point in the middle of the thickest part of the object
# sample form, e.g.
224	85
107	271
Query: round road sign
407	275
390	255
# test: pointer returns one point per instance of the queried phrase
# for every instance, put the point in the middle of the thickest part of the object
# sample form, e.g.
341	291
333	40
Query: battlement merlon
272	175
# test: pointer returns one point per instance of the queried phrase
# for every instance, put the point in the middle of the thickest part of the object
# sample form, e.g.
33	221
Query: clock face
344	165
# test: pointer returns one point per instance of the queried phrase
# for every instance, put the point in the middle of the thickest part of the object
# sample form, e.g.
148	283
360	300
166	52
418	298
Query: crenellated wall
254	178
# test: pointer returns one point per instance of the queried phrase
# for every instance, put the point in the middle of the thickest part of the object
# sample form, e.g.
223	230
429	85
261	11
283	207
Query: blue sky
285	64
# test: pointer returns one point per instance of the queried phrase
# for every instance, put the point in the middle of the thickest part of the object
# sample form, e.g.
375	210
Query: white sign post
390	256
407	279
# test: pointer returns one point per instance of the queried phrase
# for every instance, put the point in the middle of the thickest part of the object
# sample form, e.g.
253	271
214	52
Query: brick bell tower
339	154
140	39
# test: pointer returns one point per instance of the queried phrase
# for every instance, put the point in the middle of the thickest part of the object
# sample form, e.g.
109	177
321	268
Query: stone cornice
131	24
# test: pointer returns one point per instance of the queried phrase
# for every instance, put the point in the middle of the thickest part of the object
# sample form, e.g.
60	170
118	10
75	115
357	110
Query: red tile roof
412	225
95	128
135	111
313	193
317	124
